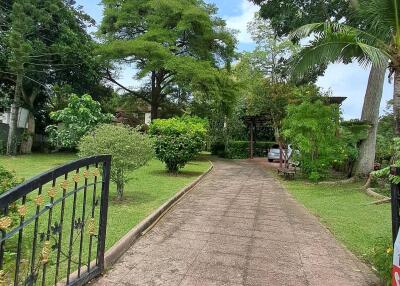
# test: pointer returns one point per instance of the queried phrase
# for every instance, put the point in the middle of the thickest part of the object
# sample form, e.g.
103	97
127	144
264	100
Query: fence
53	227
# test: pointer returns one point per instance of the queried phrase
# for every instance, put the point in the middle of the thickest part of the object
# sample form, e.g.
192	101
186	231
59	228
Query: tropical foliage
312	129
377	42
81	116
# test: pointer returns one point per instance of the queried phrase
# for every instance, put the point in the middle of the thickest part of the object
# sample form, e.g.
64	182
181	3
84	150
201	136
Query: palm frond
378	17
337	47
335	42
307	30
373	54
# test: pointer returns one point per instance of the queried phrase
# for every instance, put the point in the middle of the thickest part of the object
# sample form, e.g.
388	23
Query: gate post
395	171
104	212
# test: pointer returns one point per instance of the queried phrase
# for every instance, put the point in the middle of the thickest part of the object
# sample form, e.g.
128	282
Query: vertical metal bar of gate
395	171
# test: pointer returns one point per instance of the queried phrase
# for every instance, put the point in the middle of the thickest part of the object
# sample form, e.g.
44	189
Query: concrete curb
116	251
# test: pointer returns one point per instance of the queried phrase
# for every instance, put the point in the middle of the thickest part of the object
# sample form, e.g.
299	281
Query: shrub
81	116
129	148
8	180
382	258
178	140
311	127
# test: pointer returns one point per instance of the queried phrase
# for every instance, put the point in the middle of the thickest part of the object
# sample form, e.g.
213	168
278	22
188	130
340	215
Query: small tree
178	140
129	148
81	116
312	128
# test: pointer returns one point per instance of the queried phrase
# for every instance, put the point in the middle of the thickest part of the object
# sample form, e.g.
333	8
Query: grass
363	228
149	188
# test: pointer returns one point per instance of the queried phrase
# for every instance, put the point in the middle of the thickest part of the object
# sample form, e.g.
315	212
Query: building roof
336	99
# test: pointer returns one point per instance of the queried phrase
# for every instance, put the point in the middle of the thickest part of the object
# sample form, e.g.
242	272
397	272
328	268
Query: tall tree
377	44
46	43
287	16
169	42
272	51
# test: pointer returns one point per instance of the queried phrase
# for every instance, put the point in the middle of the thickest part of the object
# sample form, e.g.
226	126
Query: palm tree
373	41
376	43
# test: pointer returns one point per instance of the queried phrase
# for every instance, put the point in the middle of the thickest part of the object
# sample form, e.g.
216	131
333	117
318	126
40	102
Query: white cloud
239	22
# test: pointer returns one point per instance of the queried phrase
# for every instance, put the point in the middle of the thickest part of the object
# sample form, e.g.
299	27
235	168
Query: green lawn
365	229
149	188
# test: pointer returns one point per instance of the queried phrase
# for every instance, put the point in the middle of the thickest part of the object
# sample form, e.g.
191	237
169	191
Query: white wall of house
147	118
22	118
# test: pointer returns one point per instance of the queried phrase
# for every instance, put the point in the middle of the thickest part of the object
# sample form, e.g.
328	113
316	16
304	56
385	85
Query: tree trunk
154	110
155	95
26	146
12	139
370	113
396	101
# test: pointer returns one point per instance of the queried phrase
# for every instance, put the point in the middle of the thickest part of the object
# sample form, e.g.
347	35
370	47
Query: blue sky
343	80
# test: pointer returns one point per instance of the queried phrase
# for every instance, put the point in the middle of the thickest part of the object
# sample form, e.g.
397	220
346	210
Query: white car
274	153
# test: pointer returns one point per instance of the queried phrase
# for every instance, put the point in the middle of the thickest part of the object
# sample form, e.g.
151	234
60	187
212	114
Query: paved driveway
238	227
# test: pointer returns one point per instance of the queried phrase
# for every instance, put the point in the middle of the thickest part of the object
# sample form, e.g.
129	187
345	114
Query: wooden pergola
254	122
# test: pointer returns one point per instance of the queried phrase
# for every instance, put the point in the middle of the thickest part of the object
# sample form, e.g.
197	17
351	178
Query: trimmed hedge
178	140
240	149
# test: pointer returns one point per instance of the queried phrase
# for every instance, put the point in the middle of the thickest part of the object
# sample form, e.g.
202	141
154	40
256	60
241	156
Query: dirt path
238	227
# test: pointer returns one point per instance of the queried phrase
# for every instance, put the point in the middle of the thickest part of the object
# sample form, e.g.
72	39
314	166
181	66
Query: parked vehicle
274	153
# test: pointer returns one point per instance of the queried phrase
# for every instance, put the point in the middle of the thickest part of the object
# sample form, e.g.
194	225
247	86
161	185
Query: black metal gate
395	201
53	227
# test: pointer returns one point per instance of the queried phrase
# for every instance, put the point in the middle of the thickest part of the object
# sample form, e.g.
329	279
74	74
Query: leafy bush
178	140
351	134
385	136
8	180
129	148
384	173
382	258
312	128
81	116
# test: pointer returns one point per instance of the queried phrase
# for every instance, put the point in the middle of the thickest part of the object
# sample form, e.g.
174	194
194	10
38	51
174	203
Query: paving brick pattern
238	227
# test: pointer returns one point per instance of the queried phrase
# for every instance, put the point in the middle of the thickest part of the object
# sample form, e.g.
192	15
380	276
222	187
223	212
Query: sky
342	80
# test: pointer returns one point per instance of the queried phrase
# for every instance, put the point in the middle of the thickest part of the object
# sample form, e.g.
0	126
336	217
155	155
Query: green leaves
82	115
129	148
174	43
178	140
8	180
311	127
372	43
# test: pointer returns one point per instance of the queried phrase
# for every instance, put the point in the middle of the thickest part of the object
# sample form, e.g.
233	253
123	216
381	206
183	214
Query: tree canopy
170	43
44	43
286	16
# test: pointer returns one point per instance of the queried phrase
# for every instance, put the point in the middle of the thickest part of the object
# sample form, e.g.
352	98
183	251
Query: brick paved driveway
238	227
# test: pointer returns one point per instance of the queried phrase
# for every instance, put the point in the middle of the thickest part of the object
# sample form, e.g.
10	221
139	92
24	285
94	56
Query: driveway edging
118	249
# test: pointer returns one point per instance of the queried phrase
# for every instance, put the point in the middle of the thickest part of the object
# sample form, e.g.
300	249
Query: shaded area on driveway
238	227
